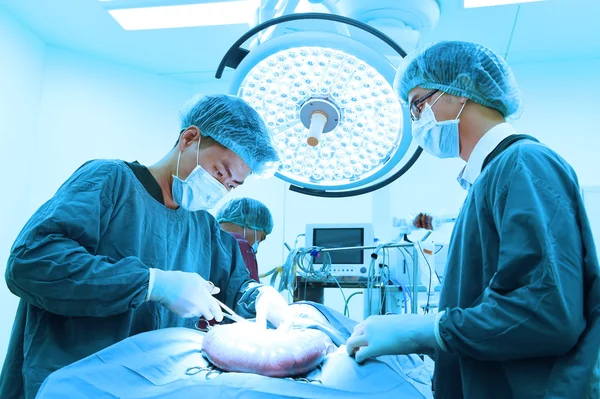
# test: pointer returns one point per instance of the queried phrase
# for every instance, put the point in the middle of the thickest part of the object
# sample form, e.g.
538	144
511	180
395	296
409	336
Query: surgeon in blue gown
520	300
122	248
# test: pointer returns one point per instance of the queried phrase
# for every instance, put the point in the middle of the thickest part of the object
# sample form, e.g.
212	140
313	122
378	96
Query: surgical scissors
227	312
230	314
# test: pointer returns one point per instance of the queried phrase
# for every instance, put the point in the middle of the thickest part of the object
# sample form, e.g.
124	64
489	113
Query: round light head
367	140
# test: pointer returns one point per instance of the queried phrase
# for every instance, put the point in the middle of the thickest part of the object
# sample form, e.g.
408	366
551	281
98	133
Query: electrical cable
301	261
439	250
341	290
346	309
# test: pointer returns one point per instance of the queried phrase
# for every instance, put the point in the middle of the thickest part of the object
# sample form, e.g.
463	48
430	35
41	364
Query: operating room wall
59	109
93	108
561	110
22	71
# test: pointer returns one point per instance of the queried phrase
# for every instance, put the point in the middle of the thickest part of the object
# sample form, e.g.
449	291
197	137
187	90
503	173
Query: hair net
465	70
247	212
231	122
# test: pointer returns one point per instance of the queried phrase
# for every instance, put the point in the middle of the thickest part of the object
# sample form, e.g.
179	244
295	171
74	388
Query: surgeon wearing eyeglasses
122	248
520	301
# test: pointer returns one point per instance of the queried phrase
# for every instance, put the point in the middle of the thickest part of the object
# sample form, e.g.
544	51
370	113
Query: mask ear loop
198	150
433	103
461	109
197	157
178	159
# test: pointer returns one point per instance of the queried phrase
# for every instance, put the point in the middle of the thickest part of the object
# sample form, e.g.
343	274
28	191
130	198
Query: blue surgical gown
521	289
81	268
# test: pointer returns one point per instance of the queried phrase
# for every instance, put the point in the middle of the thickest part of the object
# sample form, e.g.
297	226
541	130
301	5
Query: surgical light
328	101
489	3
310	85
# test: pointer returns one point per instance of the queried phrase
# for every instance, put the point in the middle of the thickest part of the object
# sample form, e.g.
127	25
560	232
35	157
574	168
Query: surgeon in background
122	248
520	301
249	221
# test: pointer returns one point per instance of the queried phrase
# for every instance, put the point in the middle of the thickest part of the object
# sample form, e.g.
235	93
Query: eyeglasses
415	109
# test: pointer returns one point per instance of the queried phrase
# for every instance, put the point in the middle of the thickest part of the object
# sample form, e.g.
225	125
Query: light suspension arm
236	54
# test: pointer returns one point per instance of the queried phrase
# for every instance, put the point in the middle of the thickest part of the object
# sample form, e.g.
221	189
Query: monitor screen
340	238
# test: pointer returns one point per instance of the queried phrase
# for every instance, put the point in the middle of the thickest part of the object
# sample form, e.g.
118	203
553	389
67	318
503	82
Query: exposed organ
247	348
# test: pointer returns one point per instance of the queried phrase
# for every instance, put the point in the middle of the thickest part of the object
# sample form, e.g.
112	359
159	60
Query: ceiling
532	32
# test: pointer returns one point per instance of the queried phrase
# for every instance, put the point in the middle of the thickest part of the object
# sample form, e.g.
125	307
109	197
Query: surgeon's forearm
244	303
66	280
502	330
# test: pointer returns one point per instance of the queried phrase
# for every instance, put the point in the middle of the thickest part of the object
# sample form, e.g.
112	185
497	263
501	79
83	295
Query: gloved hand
271	306
392	335
186	294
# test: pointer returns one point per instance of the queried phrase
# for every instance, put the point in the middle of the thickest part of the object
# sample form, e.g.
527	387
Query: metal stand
415	282
313	290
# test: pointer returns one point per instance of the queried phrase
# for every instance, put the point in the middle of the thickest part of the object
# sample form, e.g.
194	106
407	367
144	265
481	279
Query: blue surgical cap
247	212
231	122
464	70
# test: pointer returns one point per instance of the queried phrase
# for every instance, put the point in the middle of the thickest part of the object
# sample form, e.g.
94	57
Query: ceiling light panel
489	3
186	15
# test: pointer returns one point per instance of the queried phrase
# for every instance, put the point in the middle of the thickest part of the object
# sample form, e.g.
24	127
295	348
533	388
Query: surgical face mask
255	245
440	139
199	190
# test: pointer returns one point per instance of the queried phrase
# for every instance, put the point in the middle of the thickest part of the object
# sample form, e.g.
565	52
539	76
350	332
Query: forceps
227	312
230	314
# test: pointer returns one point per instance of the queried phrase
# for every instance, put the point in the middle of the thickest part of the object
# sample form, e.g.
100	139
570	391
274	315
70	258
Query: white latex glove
186	294
392	335
271	306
